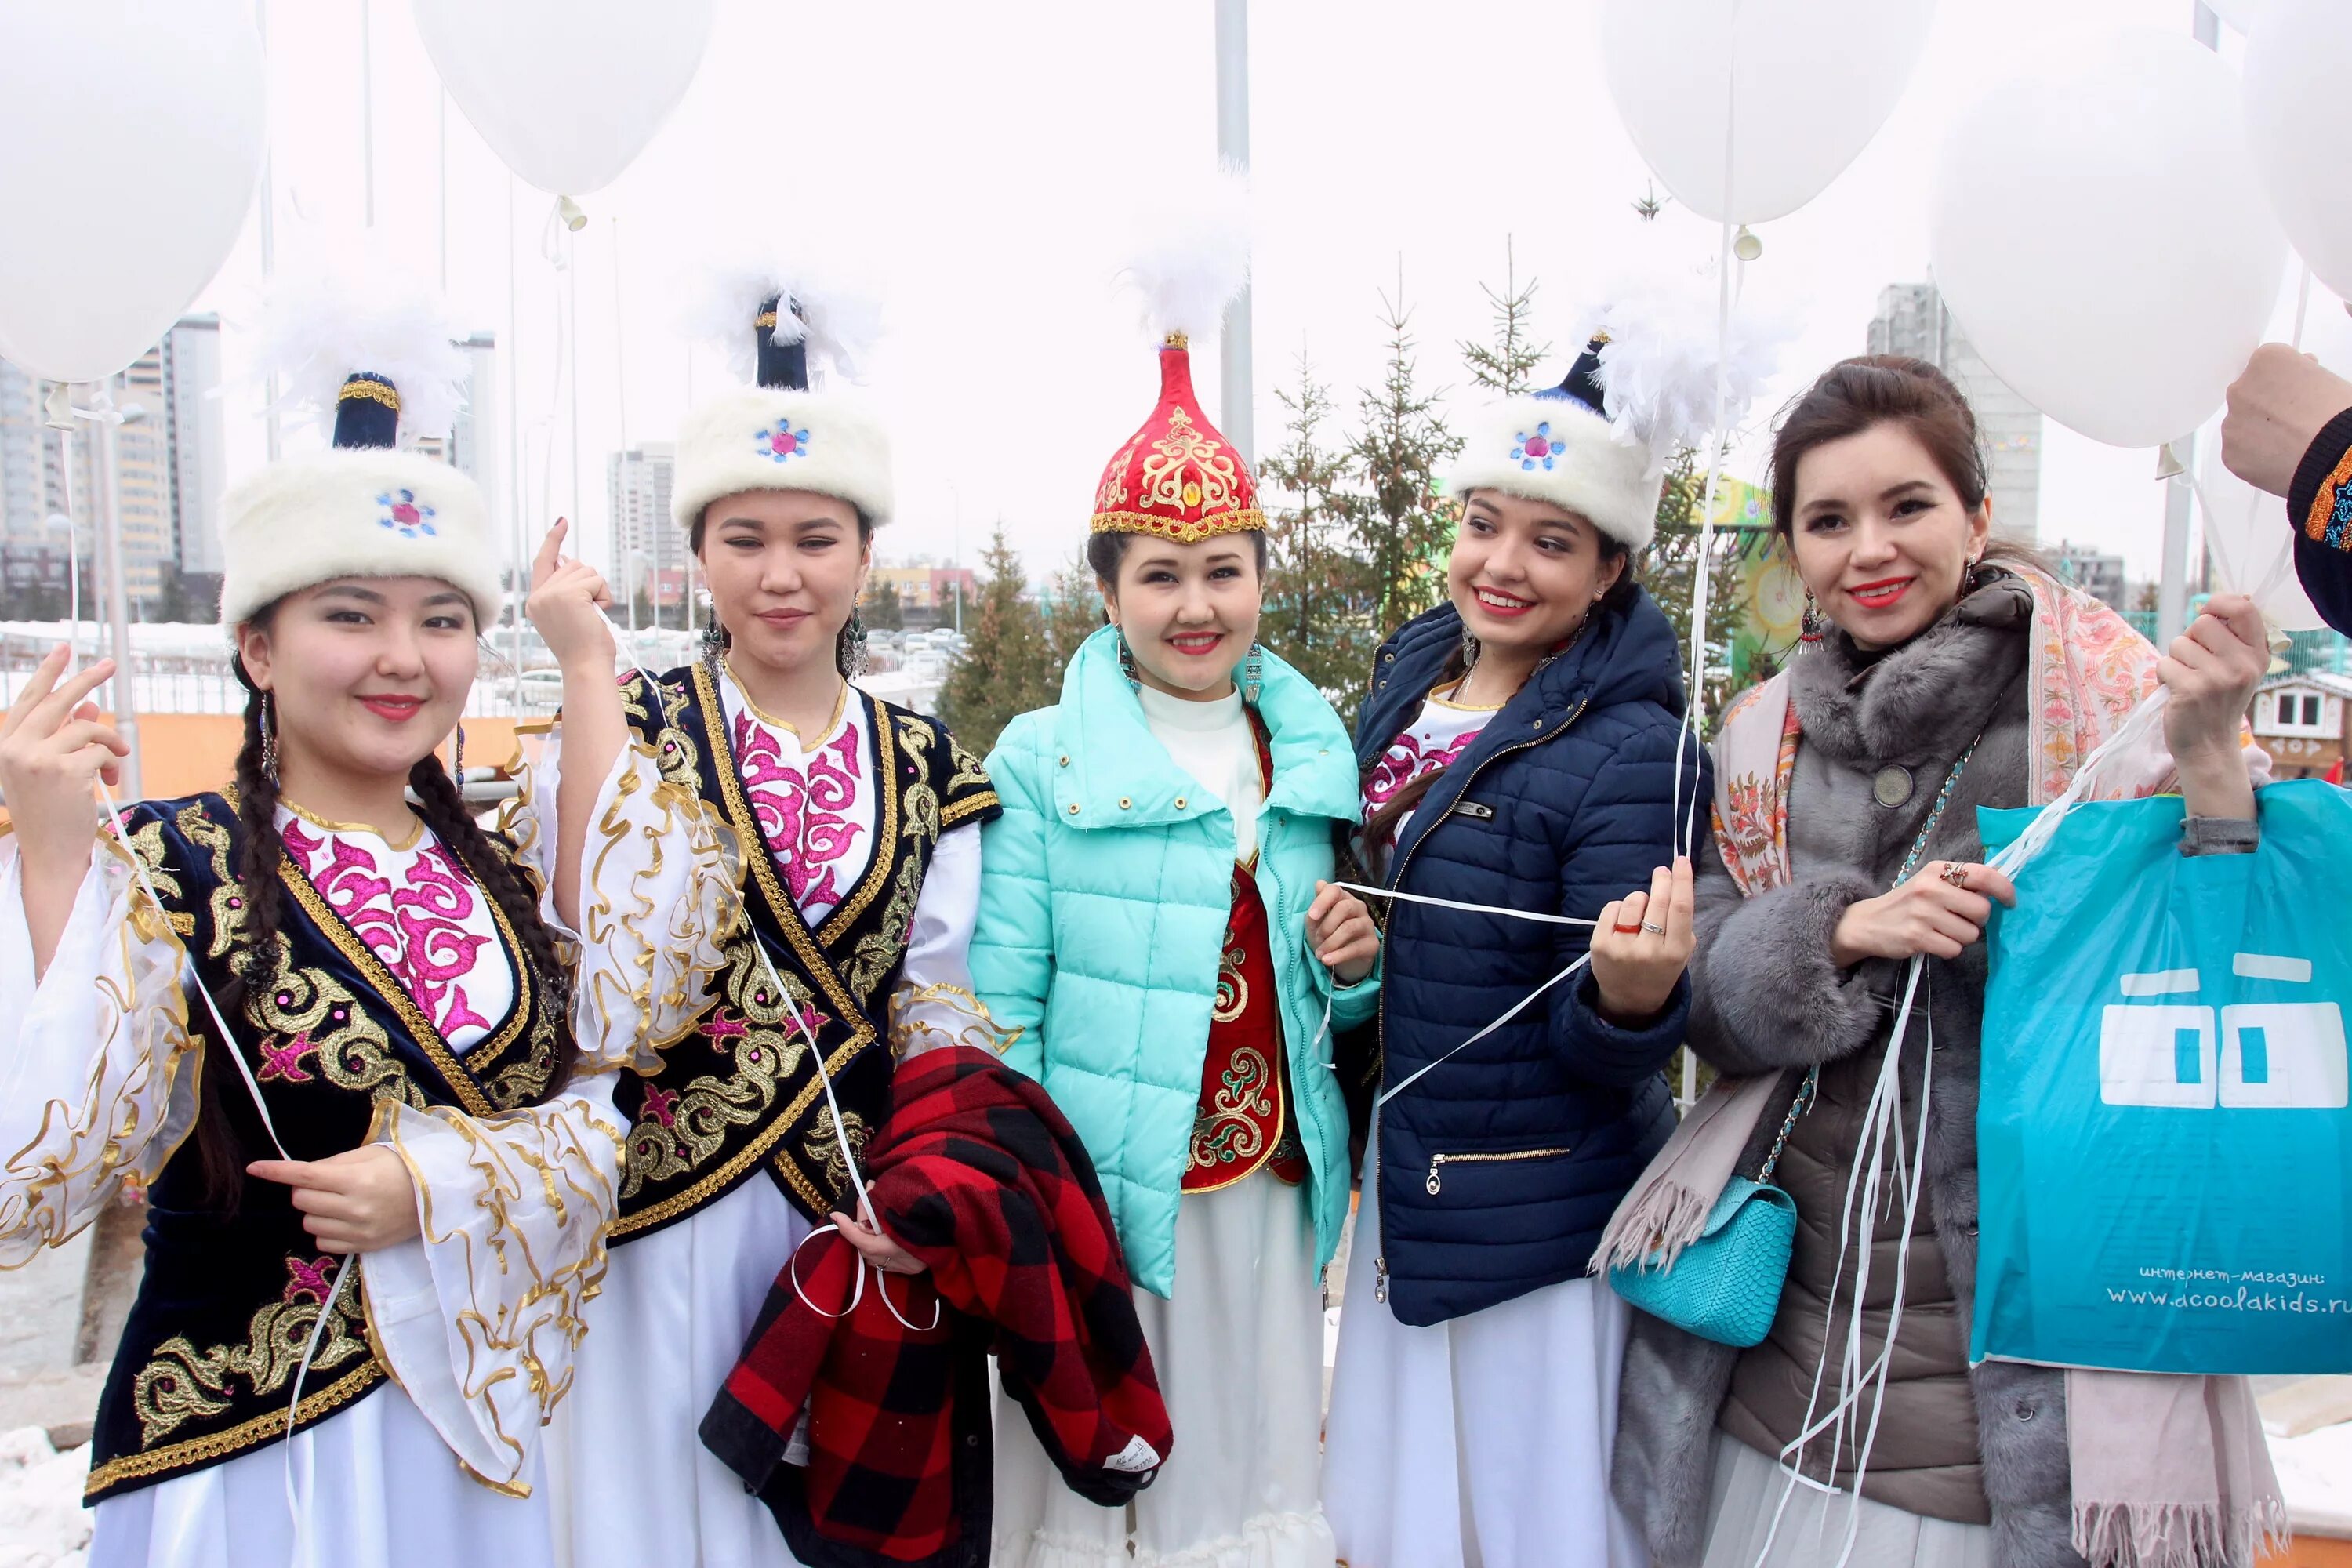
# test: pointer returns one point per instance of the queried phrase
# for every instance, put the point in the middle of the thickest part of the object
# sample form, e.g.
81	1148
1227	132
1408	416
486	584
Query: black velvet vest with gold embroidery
742	1091
206	1368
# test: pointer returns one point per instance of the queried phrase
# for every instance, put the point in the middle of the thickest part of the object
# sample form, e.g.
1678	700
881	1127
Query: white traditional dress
405	1014
1485	1438
859	868
1238	1349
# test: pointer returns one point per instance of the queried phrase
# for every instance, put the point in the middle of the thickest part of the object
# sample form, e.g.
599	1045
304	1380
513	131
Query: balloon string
1695	693
2302	305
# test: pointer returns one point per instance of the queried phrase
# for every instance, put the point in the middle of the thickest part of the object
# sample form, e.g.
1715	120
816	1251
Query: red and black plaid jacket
977	1174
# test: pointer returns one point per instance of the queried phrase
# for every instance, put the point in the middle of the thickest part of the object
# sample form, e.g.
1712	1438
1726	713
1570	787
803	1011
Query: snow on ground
42	1522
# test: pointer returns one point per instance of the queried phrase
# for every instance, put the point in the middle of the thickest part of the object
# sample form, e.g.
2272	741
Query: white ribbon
1516	1008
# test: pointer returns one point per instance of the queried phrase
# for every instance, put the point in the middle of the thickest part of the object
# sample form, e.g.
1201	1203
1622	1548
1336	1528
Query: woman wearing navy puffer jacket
1518	751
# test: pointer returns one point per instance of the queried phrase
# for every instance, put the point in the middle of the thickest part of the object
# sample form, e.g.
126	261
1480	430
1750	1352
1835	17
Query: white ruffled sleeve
934	1005
97	1071
479	1315
657	901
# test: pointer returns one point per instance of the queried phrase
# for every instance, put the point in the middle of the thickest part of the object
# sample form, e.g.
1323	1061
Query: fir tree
1073	613
1507	364
1393	511
1319	599
1005	669
1671	568
883	610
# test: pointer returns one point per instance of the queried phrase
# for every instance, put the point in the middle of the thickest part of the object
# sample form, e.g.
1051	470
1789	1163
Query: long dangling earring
1253	675
458	759
269	737
1469	650
1809	629
851	654
714	640
1127	661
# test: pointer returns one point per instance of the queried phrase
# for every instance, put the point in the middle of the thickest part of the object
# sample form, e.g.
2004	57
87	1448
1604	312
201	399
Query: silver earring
269	737
457	758
1469	650
1253	675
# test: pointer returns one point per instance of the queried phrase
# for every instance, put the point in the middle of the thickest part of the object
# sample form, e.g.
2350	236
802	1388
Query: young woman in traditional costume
328	1024
1943	671
857	827
1156	919
1521	748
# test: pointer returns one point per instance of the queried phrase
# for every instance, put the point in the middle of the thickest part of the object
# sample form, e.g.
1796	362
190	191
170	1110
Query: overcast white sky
985	156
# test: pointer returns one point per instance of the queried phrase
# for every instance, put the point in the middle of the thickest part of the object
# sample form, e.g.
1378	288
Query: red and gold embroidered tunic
1244	1123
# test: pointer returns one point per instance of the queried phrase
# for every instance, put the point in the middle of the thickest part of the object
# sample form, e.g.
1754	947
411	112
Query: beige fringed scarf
2168	1472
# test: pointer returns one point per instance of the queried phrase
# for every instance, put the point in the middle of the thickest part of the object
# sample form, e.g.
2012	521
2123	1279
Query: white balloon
2102	237
1814	79
2299	120
134	135
567	93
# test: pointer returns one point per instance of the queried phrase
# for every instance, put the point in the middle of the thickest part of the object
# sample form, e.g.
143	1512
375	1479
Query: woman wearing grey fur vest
1938	677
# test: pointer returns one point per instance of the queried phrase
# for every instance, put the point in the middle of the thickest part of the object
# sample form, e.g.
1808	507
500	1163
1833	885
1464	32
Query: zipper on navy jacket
1437	1163
1396	879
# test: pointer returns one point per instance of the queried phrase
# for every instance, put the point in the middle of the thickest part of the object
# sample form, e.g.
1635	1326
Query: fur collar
1924	701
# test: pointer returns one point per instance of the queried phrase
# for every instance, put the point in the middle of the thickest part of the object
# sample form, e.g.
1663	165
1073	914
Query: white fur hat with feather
780	434
370	350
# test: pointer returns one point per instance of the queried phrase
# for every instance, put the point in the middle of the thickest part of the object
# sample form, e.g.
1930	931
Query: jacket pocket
1439	1162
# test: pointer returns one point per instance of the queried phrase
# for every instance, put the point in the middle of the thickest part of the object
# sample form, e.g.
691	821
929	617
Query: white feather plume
839	318
1658	367
319	324
1192	252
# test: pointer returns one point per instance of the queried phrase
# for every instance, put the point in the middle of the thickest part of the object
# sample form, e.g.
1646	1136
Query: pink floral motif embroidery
417	929
283	1059
1404	762
800	811
661	1104
308	1277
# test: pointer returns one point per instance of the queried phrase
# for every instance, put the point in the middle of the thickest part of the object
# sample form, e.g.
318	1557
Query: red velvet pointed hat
1177	477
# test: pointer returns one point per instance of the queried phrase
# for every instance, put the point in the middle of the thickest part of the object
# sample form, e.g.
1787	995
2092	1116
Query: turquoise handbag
1725	1285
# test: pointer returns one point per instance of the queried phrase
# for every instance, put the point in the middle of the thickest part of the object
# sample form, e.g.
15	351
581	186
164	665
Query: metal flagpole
106	504
367	114
1234	415
269	228
515	484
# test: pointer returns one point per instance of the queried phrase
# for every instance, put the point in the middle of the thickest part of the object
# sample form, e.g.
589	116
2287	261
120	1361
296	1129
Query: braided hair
255	967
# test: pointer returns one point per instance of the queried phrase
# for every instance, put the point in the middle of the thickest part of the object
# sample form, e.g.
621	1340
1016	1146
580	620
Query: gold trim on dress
817	964
453	1068
416	826
244	1434
840	708
1455	684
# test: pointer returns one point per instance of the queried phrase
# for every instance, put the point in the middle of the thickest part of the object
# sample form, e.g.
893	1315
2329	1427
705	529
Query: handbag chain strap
1812	1086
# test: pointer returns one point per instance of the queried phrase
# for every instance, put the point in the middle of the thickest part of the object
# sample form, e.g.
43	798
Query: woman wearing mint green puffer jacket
1156	921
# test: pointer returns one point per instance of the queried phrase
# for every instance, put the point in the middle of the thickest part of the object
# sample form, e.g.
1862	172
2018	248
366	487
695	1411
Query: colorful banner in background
1771	608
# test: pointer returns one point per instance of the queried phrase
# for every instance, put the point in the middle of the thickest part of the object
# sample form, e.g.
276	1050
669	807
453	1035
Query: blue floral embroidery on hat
1535	451
405	515
780	442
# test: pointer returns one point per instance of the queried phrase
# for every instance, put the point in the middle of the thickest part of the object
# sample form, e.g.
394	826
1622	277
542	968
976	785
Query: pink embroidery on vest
801	810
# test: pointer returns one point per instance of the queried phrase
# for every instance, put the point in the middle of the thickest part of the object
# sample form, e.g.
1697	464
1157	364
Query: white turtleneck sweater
1212	741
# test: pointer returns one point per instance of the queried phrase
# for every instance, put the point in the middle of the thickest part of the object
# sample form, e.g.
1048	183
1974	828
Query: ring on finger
1623	930
1653	928
1953	874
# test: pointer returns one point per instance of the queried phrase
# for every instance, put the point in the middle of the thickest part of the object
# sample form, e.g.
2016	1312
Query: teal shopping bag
2163	1139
